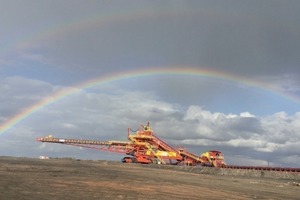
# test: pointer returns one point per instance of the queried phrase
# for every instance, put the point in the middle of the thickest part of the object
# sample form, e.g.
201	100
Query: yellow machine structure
143	146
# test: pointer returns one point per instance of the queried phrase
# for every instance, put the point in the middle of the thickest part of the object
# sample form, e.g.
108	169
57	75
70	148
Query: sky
208	75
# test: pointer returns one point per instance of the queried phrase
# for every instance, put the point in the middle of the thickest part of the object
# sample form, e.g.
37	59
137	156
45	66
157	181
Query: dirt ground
27	178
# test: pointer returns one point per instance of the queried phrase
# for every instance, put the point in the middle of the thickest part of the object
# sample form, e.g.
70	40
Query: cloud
199	33
221	126
19	92
287	83
69	46
106	115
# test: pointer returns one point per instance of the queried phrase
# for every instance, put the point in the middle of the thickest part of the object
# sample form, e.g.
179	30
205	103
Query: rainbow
25	113
63	29
98	20
105	19
113	18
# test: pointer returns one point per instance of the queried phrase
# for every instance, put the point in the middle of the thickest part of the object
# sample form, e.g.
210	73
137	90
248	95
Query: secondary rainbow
52	32
26	112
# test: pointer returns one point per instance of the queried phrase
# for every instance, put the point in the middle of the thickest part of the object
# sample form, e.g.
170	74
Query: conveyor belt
279	169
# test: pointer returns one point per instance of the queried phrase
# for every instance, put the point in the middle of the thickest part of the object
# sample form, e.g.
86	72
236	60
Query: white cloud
106	115
246	114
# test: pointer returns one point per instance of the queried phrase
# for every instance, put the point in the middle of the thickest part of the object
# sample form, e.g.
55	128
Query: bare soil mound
27	178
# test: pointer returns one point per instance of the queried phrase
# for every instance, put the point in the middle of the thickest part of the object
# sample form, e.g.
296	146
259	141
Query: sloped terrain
27	178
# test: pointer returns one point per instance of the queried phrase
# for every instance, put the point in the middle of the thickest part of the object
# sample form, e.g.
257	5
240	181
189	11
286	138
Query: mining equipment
143	146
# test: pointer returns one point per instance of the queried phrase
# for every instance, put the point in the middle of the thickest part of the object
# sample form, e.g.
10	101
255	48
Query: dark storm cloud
256	39
245	37
249	43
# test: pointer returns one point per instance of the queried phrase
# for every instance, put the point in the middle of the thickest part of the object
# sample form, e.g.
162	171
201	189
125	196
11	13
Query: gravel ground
27	178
